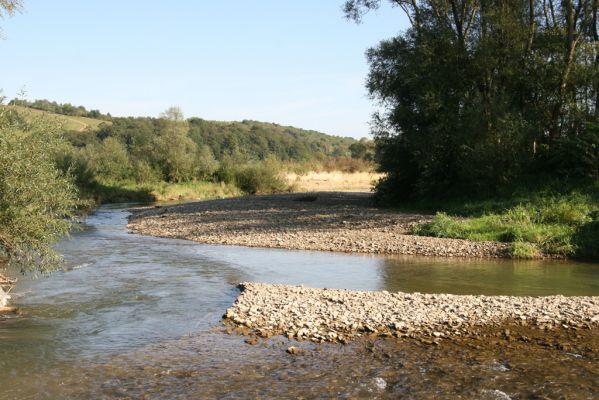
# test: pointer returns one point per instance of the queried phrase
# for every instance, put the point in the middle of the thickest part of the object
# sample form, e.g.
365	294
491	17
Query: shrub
260	179
226	172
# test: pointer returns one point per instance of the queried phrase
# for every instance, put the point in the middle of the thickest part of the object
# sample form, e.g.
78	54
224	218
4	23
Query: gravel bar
336	315
326	221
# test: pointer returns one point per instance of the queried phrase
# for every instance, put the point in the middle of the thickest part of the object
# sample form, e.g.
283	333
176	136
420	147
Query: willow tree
36	199
475	92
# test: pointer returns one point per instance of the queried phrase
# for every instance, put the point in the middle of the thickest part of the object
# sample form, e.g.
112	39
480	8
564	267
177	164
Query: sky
291	62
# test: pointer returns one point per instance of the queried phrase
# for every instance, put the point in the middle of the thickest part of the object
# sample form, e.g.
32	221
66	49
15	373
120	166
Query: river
134	316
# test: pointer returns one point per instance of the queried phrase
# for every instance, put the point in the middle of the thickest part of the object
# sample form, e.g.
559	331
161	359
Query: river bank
337	315
326	221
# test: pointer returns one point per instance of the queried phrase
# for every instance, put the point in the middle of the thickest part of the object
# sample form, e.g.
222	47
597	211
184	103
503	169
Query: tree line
174	149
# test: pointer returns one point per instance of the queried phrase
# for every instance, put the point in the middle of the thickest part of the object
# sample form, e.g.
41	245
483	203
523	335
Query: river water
139	317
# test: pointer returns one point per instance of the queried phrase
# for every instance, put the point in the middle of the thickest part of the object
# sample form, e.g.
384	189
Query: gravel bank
329	221
339	315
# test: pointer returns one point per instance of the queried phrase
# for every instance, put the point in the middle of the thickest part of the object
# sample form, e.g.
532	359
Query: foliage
574	157
36	199
362	150
255	141
206	164
9	8
174	151
260	178
108	159
134	159
478	96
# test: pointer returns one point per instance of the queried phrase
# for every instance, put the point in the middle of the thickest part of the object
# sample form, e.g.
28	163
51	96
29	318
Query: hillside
250	140
259	140
68	123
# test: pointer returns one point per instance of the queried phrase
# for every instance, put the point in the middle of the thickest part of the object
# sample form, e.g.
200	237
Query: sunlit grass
546	225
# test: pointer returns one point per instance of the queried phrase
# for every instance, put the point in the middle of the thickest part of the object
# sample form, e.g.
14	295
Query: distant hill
259	140
252	140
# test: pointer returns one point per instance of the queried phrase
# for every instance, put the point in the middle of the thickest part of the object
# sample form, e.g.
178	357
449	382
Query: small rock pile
337	315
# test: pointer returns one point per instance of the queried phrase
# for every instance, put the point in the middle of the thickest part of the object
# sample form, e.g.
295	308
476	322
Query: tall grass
550	225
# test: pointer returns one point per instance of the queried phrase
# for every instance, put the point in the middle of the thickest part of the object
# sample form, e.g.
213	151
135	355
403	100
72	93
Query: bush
226	172
260	179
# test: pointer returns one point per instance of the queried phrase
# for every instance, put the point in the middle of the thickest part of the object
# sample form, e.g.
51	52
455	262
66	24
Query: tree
362	149
174	150
37	201
473	89
109	160
9	8
206	163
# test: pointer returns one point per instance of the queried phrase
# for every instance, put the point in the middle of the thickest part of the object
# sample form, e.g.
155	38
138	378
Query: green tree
174	149
473	89
362	149
206	163
109	159
37	200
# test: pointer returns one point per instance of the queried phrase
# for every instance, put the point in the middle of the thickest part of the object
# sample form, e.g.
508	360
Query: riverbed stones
333	221
336	315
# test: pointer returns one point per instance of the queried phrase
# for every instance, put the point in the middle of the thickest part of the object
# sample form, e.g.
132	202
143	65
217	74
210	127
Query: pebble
282	222
306	314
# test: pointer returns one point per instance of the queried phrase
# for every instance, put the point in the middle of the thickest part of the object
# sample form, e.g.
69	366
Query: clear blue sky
292	62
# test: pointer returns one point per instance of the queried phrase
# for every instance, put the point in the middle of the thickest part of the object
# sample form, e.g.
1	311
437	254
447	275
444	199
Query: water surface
123	294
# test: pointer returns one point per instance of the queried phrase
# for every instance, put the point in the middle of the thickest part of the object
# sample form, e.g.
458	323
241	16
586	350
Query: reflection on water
489	277
123	292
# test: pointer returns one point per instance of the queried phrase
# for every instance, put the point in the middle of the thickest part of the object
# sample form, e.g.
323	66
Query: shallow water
131	308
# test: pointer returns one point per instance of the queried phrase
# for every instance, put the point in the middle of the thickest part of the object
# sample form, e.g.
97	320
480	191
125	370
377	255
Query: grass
79	124
545	224
333	180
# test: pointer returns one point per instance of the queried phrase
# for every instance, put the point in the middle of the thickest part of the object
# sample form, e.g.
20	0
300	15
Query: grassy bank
537	224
